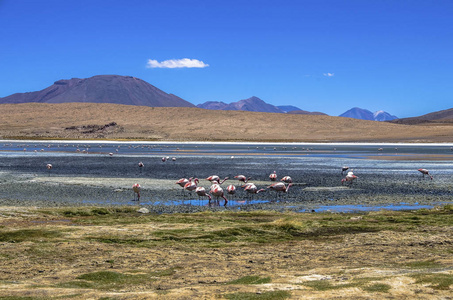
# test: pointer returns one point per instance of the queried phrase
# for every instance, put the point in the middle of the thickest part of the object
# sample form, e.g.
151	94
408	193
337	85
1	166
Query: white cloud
329	74
176	63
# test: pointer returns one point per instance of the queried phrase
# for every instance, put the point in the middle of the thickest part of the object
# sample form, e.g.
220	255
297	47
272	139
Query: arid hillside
113	121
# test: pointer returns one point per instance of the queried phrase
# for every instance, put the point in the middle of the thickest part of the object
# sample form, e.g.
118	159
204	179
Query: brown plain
127	122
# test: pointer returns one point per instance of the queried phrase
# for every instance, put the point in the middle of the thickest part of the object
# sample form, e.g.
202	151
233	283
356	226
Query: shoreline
223	143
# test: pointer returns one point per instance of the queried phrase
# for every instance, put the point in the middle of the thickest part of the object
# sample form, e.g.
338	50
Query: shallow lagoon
94	173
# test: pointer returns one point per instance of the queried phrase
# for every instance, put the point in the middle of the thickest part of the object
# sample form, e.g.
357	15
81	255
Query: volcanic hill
113	89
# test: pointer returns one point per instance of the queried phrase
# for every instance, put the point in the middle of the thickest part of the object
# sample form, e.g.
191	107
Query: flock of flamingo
215	190
191	184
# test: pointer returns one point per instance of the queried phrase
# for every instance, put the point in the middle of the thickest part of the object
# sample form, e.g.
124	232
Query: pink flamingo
273	176
425	172
287	179
49	167
280	187
201	191
213	178
231	189
136	188
217	191
242	178
349	178
191	185
252	189
182	182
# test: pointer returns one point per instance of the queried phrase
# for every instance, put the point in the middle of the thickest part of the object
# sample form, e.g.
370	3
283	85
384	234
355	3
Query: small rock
143	210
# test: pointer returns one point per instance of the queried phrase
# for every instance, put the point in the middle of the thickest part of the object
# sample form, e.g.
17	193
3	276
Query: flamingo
49	167
231	189
164	159
201	191
280	187
273	176
242	178
140	165
217	191
191	185
425	172
213	178
344	169
252	189
349	178
182	182
287	179
136	188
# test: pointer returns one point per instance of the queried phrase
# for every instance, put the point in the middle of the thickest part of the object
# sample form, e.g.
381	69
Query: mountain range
250	104
130	90
364	114
255	104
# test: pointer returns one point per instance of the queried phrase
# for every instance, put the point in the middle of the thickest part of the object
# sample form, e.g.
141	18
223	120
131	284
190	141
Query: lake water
388	177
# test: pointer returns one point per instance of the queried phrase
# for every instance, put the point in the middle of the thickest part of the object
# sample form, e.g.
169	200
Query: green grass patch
108	280
97	211
424	264
326	285
251	280
437	281
377	288
274	295
22	235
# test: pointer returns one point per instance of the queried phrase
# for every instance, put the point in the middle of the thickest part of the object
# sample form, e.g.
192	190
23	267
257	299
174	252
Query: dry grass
117	253
40	121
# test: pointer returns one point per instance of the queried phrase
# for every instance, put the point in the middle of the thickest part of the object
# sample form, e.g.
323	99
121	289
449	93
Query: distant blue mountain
364	114
250	104
288	108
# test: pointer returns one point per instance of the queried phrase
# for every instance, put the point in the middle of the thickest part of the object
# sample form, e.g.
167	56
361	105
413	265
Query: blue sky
319	55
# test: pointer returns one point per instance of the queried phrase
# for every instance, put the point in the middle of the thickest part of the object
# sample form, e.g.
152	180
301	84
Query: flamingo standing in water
252	189
273	176
217	191
213	178
344	169
136	188
425	172
141	165
242	178
349	178
231	189
280	187
201	192
182	182
287	179
49	167
191	185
